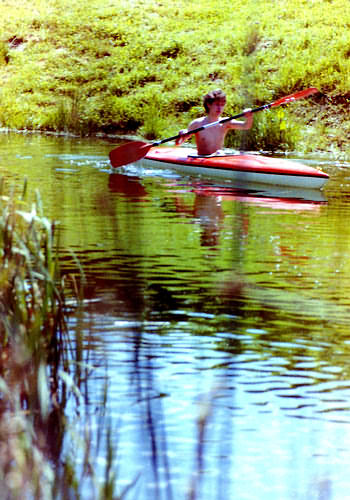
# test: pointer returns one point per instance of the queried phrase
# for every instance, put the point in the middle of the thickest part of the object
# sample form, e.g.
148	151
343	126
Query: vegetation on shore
142	67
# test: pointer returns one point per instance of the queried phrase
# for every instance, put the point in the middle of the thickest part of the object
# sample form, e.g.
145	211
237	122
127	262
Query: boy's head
214	95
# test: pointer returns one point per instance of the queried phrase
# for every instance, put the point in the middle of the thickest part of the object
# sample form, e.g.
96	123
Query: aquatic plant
41	368
31	329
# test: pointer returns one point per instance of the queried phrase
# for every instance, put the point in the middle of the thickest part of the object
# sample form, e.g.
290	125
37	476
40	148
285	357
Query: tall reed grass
40	367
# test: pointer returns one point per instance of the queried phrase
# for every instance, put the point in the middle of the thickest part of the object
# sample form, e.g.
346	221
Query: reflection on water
218	318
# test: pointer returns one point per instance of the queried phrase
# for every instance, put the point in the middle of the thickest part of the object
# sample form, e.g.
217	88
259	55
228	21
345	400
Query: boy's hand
248	115
182	139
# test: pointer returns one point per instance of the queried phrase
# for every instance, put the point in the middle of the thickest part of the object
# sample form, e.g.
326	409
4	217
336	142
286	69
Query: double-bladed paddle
134	151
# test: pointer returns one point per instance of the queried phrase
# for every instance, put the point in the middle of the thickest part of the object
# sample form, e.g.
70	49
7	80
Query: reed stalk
40	369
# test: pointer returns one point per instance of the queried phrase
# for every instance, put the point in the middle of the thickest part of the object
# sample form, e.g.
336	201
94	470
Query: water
216	321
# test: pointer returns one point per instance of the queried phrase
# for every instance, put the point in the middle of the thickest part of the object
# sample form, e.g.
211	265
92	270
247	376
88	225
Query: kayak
242	167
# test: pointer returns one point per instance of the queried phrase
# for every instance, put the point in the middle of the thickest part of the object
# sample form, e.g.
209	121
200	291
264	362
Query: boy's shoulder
198	122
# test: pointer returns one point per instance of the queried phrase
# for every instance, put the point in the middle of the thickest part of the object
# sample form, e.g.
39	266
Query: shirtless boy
212	139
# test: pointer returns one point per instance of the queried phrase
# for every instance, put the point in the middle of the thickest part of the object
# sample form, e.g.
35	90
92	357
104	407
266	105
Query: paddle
134	151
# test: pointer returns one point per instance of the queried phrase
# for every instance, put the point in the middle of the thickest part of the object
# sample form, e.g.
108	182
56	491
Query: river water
215	322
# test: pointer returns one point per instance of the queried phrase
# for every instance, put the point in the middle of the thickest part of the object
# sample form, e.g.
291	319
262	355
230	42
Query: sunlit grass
83	68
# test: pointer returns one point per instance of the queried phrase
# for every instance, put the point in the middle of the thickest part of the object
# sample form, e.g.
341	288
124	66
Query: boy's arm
183	137
180	140
246	125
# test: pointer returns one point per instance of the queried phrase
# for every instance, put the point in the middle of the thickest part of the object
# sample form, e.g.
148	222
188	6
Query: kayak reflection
206	207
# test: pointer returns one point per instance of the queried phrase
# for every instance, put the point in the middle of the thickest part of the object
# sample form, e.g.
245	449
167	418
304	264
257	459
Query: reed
31	328
41	369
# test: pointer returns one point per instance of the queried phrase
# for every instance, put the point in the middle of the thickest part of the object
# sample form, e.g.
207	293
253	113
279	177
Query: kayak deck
246	167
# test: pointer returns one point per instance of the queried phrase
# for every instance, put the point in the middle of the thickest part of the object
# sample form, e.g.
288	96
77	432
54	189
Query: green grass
143	66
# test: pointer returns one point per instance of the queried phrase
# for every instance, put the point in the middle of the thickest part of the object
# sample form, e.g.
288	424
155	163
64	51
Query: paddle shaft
212	124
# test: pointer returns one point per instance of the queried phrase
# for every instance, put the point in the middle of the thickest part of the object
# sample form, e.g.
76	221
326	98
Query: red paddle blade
294	97
129	153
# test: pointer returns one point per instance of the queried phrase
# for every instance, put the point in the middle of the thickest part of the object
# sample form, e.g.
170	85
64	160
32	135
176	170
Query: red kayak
241	167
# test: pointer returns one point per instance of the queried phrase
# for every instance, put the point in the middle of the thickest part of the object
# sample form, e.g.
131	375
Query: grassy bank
142	66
